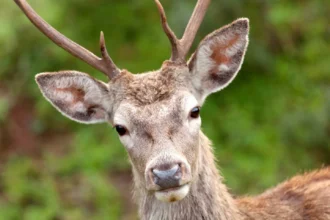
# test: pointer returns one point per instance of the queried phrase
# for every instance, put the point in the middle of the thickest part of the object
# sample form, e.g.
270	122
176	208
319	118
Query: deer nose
167	178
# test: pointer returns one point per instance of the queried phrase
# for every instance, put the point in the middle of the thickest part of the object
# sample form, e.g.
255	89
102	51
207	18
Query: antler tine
181	47
193	25
104	65
113	69
170	34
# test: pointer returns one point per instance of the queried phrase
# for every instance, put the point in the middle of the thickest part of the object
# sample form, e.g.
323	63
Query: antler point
102	41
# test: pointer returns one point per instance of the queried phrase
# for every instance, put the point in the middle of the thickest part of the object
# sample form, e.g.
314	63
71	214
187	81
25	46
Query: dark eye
194	113
121	130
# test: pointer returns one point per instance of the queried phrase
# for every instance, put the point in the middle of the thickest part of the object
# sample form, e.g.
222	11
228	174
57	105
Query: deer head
156	114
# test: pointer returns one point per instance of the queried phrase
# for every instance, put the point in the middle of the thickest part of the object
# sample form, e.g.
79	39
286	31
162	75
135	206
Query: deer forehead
162	114
152	87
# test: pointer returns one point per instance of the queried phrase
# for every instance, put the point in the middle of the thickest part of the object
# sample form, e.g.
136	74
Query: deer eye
121	130
194	113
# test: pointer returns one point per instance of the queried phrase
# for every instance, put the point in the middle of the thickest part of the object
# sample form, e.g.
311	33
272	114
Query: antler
180	47
104	64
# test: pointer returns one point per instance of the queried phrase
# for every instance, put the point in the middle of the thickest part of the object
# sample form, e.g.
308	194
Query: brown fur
152	87
78	94
208	199
218	54
155	109
304	197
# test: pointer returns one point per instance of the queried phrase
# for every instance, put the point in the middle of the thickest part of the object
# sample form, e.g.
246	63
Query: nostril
166	173
167	178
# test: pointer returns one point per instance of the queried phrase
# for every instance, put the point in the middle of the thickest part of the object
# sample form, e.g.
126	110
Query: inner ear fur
219	57
76	95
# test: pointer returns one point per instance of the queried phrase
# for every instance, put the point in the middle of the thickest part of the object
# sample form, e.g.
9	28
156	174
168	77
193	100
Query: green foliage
270	123
46	190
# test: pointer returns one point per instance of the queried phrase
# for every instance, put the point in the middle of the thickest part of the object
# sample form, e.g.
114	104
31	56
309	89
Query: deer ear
218	58
77	95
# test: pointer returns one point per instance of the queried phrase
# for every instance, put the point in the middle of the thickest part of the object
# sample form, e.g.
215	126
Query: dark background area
272	122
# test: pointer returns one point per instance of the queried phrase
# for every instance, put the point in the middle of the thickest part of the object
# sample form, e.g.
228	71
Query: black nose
167	178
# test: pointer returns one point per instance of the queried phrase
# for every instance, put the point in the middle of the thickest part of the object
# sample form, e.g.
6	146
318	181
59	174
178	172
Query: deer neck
208	197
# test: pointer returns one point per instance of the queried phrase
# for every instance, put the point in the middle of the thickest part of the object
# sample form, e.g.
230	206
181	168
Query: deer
157	117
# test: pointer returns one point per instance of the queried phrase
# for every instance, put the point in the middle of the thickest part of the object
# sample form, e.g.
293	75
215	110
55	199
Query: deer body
305	197
156	115
302	197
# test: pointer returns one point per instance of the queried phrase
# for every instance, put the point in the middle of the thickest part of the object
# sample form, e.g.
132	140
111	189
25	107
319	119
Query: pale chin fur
173	195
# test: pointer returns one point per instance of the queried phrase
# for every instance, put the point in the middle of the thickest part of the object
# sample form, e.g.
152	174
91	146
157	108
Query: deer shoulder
302	197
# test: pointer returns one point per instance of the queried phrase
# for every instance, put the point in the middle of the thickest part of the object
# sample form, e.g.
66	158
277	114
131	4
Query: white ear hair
219	58
77	95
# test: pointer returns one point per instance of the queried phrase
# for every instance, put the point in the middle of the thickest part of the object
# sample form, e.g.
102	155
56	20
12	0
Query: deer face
160	130
156	114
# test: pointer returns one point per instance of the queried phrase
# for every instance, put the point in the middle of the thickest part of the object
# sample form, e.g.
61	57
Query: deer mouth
173	194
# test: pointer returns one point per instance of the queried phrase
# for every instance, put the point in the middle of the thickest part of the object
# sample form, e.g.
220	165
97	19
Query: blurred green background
273	121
